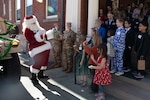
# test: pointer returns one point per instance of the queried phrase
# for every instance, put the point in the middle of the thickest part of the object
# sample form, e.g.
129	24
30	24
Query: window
29	7
18	2
51	8
10	10
4	8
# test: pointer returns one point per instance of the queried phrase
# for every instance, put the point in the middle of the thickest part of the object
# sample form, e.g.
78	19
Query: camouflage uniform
57	47
68	49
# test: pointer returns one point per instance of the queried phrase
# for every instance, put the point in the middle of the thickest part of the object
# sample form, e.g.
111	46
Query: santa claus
39	47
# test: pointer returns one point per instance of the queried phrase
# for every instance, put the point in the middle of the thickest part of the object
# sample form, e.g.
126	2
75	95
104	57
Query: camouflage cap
69	24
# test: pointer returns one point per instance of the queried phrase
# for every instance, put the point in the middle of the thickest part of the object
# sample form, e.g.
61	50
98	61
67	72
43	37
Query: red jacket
37	44
90	51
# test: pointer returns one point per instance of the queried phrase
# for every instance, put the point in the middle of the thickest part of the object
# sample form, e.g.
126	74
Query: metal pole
74	66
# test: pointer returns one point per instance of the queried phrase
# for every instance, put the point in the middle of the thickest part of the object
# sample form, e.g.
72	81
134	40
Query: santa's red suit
39	48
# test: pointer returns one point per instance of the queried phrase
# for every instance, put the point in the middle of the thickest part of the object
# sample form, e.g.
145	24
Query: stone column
73	9
93	7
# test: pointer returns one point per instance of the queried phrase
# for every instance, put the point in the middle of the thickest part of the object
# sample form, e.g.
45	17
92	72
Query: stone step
128	89
144	83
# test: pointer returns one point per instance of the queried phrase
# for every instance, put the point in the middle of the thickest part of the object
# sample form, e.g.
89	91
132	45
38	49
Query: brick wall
39	10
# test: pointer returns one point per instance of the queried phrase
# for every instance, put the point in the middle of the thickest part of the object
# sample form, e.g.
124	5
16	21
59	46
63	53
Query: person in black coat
129	12
130	39
135	23
141	45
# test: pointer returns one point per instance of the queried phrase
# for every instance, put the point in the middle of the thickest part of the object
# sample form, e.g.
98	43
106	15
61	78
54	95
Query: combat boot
68	70
42	75
65	69
34	79
54	64
57	65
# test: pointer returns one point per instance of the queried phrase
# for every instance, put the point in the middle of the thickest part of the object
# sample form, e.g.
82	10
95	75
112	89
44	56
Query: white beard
33	27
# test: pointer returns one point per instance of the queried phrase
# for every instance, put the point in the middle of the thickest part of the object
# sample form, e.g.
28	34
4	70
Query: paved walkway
59	86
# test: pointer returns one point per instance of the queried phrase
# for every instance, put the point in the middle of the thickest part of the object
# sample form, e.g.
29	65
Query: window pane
18	9
29	10
29	7
18	14
18	4
29	2
52	7
10	10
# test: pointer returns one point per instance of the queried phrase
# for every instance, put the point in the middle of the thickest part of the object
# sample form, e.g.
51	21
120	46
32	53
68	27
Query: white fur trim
50	34
33	70
40	49
32	20
38	36
43	67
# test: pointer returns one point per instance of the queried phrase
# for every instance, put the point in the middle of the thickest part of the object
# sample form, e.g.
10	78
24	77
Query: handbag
141	64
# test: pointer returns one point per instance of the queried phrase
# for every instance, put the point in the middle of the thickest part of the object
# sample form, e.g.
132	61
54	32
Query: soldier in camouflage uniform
57	46
69	40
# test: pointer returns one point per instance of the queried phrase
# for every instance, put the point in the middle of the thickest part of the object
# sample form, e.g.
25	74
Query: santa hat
30	19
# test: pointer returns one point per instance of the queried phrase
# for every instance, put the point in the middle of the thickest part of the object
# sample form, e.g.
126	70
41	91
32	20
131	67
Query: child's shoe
96	94
80	82
101	96
134	73
127	70
112	71
84	84
119	73
139	76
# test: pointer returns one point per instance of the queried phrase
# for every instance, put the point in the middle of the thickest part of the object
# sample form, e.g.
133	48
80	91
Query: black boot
34	79
42	75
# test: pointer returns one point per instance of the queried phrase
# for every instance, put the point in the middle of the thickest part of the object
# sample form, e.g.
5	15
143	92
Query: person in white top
137	10
110	49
